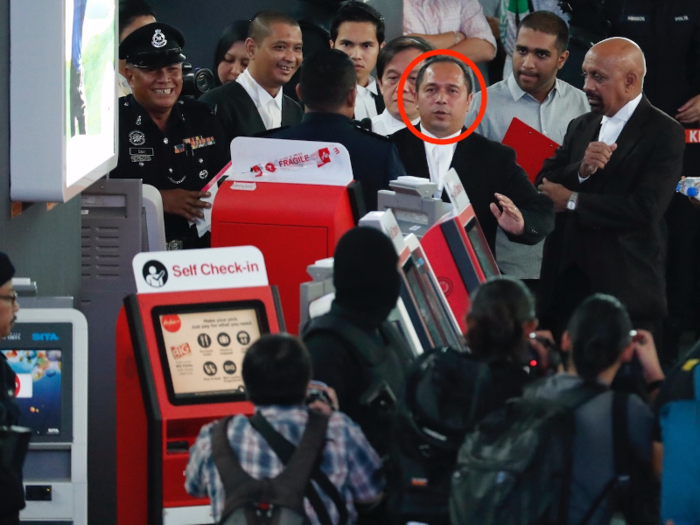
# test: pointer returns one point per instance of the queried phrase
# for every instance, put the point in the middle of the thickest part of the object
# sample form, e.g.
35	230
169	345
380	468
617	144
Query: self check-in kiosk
318	294
48	350
291	199
431	316
180	345
458	251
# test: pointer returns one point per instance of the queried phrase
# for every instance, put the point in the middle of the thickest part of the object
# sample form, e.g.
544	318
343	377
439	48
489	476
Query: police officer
328	88
176	145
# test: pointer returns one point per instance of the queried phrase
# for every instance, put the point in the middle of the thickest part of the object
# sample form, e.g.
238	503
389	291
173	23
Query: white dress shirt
385	124
611	127
439	158
365	106
269	107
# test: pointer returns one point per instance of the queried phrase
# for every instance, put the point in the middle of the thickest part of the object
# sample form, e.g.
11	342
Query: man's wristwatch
572	202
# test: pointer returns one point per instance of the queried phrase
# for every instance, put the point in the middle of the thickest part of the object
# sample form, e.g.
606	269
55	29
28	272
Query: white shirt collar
625	112
385	123
258	93
517	92
439	157
371	87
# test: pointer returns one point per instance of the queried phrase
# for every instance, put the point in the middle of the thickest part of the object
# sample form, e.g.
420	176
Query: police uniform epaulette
358	127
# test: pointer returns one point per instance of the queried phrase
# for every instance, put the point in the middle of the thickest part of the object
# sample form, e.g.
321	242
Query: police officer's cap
152	46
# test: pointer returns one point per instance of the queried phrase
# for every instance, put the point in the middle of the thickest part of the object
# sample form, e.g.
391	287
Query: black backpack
446	393
515	468
277	501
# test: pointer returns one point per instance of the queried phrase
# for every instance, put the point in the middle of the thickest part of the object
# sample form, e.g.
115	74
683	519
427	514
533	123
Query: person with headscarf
231	57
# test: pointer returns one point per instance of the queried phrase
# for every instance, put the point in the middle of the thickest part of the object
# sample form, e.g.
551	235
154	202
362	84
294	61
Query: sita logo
44	337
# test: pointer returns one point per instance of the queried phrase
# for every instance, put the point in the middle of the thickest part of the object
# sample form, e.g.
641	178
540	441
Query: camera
546	365
316	394
196	80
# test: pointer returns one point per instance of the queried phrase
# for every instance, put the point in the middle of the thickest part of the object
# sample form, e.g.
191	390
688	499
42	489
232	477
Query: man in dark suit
328	89
497	187
611	182
255	102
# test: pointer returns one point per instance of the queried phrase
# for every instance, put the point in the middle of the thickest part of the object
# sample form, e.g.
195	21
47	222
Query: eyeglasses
12	298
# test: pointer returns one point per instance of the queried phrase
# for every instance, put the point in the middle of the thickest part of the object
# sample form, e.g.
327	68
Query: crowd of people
600	256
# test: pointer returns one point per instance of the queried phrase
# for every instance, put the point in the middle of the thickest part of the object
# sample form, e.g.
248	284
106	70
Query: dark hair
260	25
600	331
276	370
326	79
496	316
236	32
130	10
444	58
550	24
354	11
398	45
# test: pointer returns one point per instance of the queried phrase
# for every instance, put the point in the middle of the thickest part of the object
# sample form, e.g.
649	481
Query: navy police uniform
186	156
190	151
375	160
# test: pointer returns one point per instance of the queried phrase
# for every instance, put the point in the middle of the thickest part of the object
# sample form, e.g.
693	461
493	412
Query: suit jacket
374	158
238	114
616	236
486	167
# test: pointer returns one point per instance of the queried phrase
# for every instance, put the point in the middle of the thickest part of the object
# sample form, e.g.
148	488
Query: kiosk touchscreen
425	302
458	251
47	350
180	346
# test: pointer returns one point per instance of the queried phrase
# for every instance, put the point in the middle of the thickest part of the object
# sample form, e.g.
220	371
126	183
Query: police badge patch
137	138
158	39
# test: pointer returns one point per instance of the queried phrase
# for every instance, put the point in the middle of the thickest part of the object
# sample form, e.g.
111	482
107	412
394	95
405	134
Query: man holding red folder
543	105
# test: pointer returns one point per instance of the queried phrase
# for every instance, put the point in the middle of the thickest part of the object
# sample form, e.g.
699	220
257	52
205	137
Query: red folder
531	147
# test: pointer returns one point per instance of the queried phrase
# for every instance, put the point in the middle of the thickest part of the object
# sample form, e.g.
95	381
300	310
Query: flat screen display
202	350
90	85
38	389
428	301
481	248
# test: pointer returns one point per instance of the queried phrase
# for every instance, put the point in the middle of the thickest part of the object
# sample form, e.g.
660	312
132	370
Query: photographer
276	373
500	324
600	338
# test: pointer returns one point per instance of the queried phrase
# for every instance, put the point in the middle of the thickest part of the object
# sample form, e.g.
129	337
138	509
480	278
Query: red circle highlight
479	78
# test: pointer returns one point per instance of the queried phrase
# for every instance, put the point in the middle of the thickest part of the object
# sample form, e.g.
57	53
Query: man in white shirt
357	29
393	60
534	95
451	24
255	103
497	187
611	182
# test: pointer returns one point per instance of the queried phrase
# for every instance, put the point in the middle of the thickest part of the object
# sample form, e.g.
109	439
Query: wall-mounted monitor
63	117
202	348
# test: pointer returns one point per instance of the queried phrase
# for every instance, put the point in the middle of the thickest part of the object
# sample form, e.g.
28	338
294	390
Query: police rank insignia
194	143
137	138
158	39
203	174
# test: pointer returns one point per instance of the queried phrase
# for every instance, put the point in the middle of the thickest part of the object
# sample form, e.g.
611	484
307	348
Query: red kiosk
458	251
180	344
291	199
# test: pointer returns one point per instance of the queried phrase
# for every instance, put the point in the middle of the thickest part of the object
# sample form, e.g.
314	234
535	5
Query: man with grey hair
611	182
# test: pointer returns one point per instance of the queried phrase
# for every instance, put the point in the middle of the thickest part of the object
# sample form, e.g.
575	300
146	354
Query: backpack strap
356	339
287	452
621	450
230	470
575	397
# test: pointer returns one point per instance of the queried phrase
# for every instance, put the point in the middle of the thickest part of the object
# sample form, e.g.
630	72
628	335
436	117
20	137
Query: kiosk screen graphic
202	349
428	302
481	247
38	389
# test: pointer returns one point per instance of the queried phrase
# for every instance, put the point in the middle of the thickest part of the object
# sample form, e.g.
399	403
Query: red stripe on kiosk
180	344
